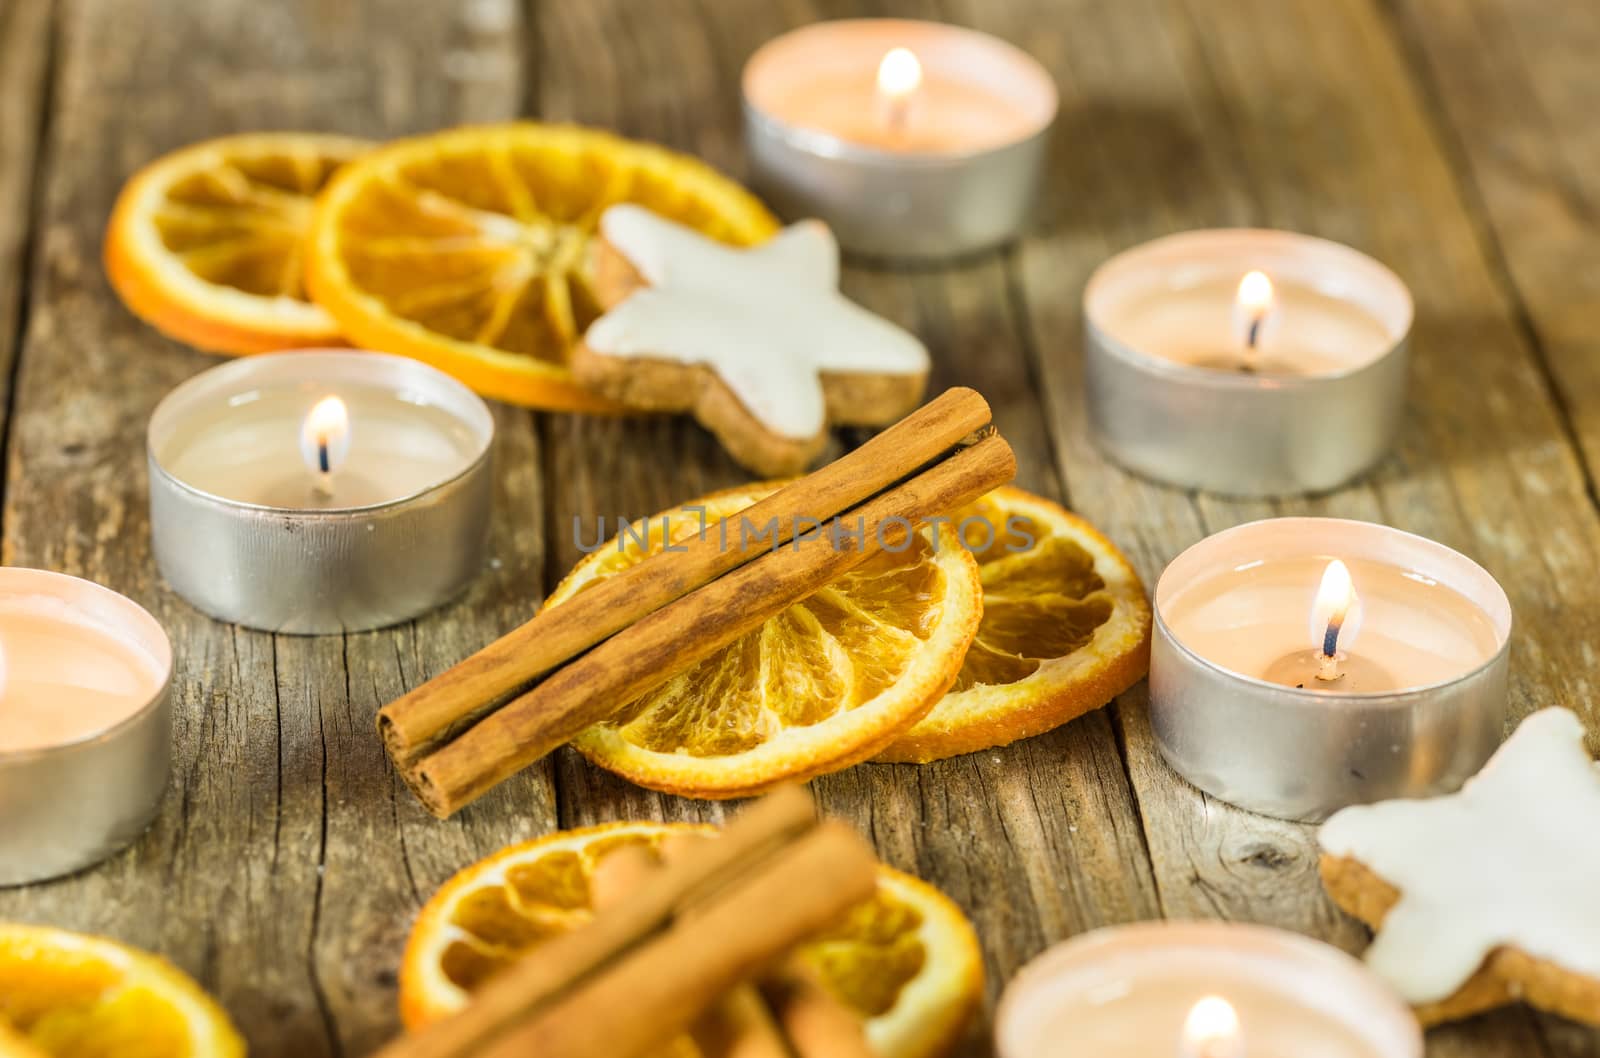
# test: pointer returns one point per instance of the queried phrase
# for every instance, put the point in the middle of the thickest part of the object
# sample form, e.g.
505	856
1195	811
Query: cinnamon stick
676	636
433	712
738	1025
667	983
754	838
813	1021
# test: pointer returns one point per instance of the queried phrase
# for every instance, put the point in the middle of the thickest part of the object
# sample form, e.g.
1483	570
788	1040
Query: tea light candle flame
1253	308
325	441
1212	1030
1335	617
899	77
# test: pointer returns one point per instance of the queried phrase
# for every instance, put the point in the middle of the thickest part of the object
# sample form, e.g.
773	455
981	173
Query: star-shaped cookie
758	343
1488	895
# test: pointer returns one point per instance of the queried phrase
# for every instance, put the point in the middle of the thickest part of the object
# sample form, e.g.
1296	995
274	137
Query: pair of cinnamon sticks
675	942
789	1014
574	665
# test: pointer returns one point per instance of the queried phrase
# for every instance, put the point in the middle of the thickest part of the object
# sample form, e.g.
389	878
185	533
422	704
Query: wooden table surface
1453	139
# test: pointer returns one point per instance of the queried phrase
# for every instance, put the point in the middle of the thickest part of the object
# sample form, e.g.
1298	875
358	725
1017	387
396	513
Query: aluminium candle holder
1236	433
67	806
889	203
1304	754
306	571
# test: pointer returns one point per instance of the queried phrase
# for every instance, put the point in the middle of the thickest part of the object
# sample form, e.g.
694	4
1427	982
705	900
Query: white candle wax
1177	299
973	92
247	447
1252	620
1128	992
65	674
1144	1018
1315	334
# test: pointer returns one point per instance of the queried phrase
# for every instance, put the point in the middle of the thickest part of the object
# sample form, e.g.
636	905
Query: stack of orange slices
467	249
1030	620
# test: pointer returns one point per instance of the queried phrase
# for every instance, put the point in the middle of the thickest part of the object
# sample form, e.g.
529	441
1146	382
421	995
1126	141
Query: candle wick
324	485
1328	669
1330	638
895	114
1252	337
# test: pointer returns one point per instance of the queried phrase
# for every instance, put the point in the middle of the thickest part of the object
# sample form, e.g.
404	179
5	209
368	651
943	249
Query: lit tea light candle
1394	686
1246	362
912	139
85	725
288	490
1201	990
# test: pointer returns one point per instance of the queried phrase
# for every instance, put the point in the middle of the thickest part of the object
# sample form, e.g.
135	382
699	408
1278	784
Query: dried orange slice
907	960
207	243
824	685
470	249
67	995
1066	628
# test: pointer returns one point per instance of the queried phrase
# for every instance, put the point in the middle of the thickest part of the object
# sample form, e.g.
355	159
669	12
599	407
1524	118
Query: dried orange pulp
470	248
207	243
1066	628
907	961
67	995
827	683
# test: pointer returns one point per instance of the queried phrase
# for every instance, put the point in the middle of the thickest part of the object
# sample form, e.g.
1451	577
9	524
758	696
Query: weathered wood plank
1299	115
1037	841
287	862
25	47
1513	91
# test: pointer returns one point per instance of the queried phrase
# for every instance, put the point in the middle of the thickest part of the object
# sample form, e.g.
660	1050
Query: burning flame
325	438
1253	308
899	77
1255	293
1336	611
1211	1030
899	74
2	673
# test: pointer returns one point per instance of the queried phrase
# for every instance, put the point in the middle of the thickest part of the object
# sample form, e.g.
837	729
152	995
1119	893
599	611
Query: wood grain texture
287	861
1302	116
1447	139
25	47
1513	97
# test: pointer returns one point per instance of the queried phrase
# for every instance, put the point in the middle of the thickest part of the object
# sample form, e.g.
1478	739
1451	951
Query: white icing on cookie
1513	859
767	320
